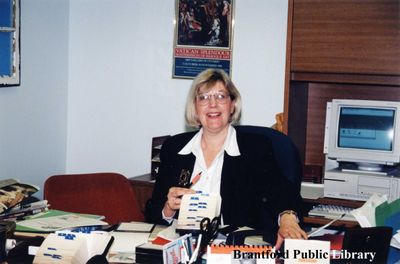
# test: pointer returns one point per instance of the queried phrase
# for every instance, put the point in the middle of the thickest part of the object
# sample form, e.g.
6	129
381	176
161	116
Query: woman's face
214	107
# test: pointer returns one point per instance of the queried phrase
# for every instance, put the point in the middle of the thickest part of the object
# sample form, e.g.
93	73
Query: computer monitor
363	132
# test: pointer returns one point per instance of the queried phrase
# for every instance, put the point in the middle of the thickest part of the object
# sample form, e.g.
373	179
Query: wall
96	83
121	93
33	116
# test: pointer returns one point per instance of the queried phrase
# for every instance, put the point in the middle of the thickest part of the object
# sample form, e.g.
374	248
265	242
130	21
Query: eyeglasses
220	97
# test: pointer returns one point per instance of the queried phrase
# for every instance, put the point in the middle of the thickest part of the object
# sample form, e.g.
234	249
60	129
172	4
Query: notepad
195	207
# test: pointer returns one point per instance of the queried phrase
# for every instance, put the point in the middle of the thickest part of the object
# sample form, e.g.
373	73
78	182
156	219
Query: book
20	212
12	193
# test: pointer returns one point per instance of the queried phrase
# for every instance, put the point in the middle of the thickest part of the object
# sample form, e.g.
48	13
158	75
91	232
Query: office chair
286	153
107	194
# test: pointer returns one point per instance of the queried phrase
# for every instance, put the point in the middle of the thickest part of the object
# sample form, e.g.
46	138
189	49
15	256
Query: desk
144	184
318	221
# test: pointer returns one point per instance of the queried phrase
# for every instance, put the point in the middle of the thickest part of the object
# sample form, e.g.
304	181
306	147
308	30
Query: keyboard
332	212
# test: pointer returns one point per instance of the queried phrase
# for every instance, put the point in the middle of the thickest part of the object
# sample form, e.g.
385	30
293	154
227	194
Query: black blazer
253	191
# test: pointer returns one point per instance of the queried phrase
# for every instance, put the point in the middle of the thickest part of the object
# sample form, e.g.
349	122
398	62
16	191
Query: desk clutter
13	195
196	235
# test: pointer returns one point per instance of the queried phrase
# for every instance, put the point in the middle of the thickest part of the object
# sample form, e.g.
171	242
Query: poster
203	36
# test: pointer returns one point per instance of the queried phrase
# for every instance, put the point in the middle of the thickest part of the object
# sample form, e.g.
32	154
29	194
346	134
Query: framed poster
203	36
9	43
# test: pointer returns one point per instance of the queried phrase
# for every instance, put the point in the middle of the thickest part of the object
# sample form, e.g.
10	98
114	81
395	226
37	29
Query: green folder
51	213
385	210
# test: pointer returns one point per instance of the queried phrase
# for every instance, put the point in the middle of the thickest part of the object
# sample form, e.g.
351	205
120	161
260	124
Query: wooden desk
318	221
143	186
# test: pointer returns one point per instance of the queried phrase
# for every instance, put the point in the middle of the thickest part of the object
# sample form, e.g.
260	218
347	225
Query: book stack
20	212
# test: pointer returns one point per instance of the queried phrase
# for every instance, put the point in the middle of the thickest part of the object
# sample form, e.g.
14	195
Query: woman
238	166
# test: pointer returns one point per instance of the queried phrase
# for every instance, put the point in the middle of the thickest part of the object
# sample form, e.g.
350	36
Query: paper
178	251
169	233
365	215
195	207
126	242
299	251
135	227
395	242
54	223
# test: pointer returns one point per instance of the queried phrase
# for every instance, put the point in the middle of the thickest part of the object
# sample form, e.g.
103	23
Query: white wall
96	83
121	93
33	116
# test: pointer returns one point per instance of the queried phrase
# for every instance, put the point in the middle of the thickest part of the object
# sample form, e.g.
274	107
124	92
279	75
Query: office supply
167	234
365	215
222	254
332	212
208	230
178	251
101	259
195	207
54	220
13	192
126	242
135	227
195	180
20	212
385	210
69	247
395	242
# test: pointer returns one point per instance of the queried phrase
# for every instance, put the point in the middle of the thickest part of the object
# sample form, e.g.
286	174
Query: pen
195	180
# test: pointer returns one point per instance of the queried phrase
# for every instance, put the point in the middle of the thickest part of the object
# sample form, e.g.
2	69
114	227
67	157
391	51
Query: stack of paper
22	211
54	220
127	237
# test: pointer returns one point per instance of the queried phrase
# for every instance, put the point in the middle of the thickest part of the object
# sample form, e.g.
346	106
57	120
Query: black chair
285	151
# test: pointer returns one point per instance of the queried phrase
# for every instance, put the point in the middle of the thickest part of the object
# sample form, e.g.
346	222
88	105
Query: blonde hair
208	78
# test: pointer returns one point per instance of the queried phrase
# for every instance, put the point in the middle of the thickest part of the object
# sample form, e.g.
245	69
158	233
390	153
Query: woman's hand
174	199
289	228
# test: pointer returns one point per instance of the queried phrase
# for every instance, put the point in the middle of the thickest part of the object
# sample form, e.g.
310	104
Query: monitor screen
366	128
363	131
